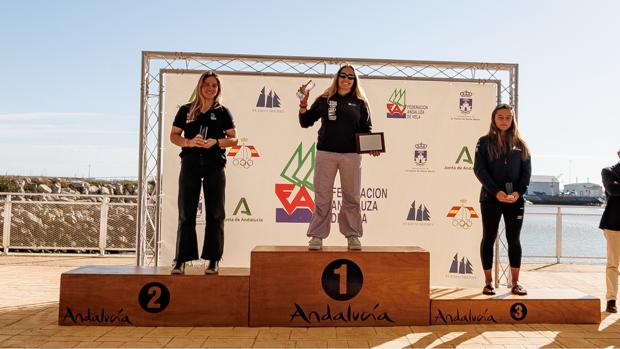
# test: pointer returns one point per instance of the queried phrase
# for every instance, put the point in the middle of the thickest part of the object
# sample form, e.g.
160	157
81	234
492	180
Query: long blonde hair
198	99
512	137
356	89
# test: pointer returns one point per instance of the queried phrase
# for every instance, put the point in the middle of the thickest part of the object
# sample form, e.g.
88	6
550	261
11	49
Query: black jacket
217	120
341	118
495	173
611	181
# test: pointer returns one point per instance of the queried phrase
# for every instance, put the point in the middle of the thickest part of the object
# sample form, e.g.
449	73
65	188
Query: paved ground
29	291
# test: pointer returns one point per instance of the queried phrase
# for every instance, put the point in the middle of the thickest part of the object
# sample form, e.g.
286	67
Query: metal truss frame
154	63
503	273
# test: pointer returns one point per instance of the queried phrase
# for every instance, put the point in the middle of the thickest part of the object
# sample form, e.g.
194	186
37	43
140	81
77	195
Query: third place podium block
377	286
553	306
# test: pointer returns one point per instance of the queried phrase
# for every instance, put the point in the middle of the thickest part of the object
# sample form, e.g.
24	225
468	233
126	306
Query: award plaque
367	142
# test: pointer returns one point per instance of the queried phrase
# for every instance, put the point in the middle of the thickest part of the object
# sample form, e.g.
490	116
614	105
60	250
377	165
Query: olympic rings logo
243	163
462	223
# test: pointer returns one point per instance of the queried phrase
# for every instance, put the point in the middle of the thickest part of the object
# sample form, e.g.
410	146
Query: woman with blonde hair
343	111
202	128
503	166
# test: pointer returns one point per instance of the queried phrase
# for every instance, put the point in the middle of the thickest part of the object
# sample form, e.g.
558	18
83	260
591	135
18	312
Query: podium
378	286
292	286
150	296
551	306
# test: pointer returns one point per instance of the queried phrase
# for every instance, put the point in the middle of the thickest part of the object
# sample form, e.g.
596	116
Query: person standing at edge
343	110
502	161
203	128
610	223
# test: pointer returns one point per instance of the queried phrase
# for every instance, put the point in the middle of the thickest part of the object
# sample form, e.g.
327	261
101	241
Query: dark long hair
511	140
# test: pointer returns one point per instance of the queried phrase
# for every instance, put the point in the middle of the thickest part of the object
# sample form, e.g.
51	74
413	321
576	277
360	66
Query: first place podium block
150	296
377	286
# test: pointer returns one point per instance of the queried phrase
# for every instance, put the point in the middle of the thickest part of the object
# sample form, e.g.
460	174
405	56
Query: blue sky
70	70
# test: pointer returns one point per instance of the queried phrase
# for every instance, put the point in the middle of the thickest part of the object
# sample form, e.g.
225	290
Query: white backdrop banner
421	192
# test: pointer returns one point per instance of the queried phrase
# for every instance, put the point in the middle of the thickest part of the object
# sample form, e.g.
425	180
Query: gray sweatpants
350	216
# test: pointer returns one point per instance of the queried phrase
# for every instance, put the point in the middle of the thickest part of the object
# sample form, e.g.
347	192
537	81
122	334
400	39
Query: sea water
581	237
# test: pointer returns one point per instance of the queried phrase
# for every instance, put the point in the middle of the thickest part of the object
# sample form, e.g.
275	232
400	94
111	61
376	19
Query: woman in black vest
203	128
503	166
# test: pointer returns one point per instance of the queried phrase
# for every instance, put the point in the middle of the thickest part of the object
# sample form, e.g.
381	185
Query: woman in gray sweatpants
343	111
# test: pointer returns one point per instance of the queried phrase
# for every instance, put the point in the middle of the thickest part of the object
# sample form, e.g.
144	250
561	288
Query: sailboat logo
268	100
297	203
463	266
418	213
397	104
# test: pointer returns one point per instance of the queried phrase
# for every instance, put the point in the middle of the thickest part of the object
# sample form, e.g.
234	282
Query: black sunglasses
347	76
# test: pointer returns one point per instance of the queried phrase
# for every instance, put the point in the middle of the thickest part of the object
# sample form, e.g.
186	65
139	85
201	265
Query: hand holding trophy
304	92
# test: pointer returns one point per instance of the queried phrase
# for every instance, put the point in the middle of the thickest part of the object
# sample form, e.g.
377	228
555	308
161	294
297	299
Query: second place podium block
377	286
150	296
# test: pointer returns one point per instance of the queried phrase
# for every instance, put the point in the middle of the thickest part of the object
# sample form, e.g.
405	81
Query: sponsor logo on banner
461	268
200	212
268	101
464	160
420	159
462	216
243	213
466	103
243	154
418	215
420	155
466	107
200	209
399	109
295	197
370	198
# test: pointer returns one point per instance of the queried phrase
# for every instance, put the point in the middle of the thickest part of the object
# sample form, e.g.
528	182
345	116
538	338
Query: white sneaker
315	243
354	243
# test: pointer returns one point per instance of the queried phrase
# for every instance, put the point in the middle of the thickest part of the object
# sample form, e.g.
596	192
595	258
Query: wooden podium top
135	270
447	294
369	249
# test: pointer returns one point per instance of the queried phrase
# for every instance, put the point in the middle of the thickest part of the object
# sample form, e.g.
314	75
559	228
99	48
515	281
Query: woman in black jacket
503	166
343	111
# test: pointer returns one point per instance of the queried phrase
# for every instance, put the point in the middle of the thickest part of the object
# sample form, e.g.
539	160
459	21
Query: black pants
193	169
513	219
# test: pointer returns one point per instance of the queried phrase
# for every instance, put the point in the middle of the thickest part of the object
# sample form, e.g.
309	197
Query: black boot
611	306
213	267
178	269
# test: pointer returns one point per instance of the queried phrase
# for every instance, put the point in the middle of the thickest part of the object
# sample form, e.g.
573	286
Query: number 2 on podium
155	292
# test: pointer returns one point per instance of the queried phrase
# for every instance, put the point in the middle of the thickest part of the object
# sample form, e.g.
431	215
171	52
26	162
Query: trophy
203	132
305	89
509	190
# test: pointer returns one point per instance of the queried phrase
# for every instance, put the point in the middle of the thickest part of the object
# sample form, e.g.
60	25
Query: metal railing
68	223
592	245
106	224
560	232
